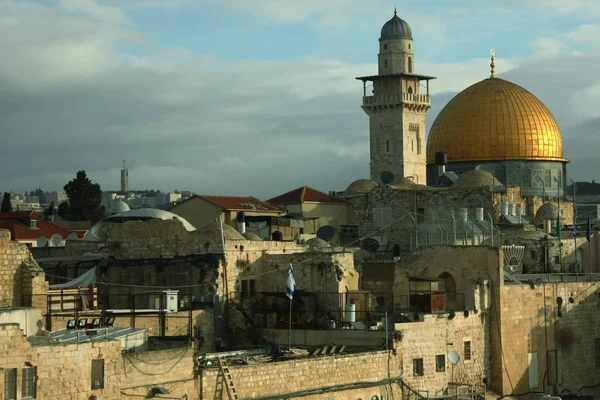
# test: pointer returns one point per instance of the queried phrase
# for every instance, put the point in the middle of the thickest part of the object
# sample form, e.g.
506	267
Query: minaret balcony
396	99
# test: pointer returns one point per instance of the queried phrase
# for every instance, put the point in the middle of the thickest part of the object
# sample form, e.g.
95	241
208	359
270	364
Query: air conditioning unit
170	302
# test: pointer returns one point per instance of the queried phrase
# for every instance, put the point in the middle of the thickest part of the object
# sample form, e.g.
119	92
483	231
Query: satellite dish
56	239
42	241
326	232
535	282
387	177
453	357
369	244
72	236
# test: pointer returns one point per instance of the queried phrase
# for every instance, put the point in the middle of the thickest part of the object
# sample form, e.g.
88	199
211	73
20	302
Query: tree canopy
6	204
85	198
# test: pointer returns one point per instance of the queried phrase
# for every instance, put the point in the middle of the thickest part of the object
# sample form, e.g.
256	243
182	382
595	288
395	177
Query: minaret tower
396	105
124	178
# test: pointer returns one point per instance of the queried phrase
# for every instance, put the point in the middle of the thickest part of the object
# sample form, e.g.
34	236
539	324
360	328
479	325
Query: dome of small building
477	179
252	236
100	230
396	28
228	231
548	211
118	206
316	243
403	183
361	186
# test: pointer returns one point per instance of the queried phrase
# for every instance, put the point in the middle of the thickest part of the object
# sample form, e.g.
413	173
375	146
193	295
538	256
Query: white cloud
192	121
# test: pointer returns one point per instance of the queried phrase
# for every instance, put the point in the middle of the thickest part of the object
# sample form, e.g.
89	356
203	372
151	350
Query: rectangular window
440	363
418	144
556	260
418	367
97	374
597	353
420	215
10	384
245	289
381	217
28	382
252	287
467	350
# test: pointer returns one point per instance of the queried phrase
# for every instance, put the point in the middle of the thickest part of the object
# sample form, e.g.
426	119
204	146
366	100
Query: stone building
315	212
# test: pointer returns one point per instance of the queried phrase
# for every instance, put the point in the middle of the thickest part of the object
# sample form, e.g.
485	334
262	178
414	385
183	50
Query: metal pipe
575	228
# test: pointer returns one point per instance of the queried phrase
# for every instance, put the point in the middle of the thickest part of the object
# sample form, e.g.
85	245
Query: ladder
224	369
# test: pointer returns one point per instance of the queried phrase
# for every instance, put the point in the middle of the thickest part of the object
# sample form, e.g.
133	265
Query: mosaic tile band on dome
495	120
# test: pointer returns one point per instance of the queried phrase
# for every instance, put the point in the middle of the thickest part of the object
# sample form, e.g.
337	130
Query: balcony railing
396	98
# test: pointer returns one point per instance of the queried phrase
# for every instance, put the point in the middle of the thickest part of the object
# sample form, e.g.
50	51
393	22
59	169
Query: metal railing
321	310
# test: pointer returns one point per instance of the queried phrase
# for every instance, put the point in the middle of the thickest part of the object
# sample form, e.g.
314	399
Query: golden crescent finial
492	64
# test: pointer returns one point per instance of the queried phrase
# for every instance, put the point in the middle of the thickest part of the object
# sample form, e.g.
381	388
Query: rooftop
305	194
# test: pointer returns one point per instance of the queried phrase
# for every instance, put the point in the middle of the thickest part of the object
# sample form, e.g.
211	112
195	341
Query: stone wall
432	210
22	278
64	371
550	341
467	267
436	336
253	381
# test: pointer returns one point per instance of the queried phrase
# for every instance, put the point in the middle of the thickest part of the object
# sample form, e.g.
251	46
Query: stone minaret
397	108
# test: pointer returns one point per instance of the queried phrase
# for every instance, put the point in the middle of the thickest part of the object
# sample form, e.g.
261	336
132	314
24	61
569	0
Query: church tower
396	101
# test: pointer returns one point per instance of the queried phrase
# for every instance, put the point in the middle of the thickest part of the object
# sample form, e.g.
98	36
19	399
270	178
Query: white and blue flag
291	283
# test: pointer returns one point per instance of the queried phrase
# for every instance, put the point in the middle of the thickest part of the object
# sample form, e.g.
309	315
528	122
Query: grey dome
229	232
361	186
316	243
477	178
396	28
251	236
548	211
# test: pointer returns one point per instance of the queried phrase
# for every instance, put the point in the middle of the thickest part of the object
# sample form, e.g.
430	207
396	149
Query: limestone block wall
436	336
22	278
64	371
550	340
466	265
253	381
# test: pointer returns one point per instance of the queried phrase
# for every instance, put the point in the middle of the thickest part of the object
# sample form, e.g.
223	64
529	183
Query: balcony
397	98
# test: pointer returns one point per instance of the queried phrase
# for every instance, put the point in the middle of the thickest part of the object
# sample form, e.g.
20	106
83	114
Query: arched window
387	145
385	64
409	65
409	90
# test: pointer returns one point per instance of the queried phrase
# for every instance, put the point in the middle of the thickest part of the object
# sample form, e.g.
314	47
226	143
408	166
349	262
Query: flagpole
290	330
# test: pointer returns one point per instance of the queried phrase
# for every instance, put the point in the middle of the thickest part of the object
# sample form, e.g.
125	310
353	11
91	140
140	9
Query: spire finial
394	10
492	64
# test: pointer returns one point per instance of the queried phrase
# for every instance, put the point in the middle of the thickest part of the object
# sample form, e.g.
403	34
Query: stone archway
450	282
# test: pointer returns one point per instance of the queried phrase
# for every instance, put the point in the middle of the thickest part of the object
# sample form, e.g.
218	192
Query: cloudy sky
257	97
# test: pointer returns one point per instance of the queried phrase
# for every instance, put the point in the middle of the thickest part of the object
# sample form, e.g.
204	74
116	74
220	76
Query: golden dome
495	120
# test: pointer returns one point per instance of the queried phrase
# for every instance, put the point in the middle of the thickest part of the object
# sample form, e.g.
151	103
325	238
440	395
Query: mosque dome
361	186
548	211
118	206
476	179
396	28
252	236
100	230
495	120
214	228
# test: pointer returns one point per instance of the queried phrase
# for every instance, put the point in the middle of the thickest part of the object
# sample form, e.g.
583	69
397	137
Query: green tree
85	198
6	205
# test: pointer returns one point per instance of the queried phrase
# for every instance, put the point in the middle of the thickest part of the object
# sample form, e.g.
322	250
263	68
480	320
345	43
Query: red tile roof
18	225
305	194
240	203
